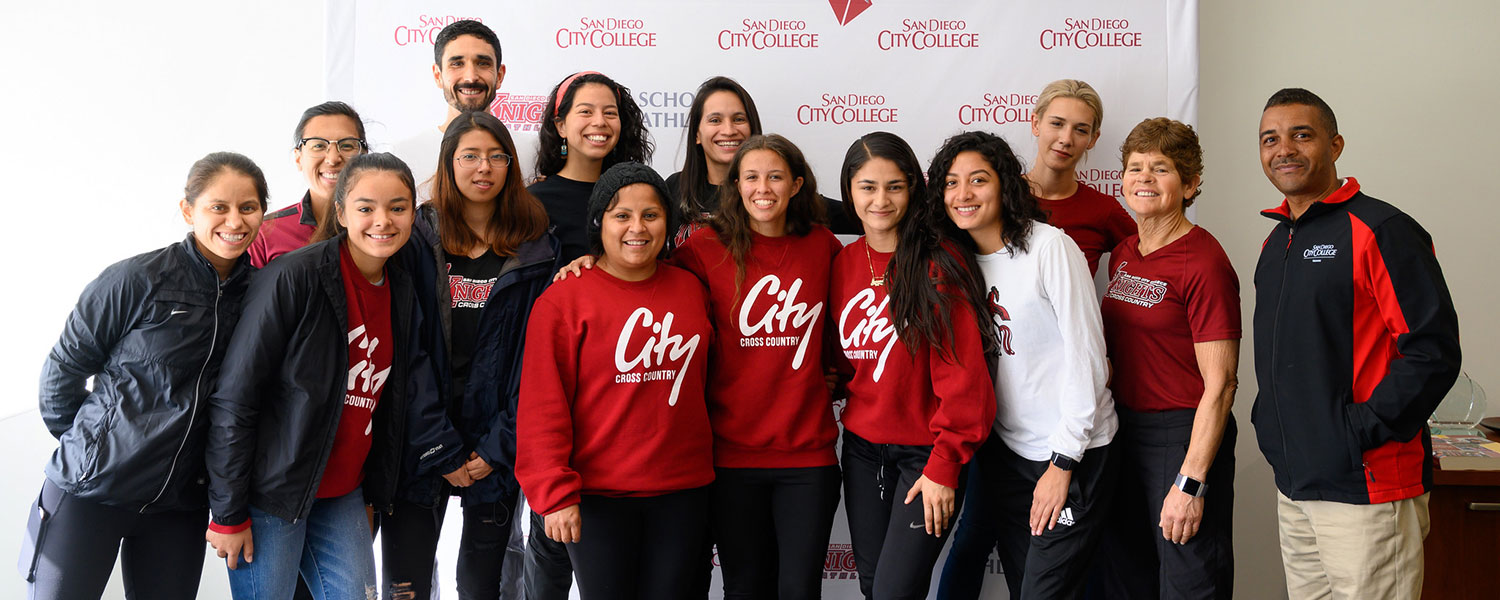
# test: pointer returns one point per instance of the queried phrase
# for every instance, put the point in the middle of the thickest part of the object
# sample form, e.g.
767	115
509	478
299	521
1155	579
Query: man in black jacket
1356	342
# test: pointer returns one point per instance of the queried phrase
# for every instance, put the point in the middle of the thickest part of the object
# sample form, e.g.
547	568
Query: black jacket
151	332
278	404
1356	342
482	417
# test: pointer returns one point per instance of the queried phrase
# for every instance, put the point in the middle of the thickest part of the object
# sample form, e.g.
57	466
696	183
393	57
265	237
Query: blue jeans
331	548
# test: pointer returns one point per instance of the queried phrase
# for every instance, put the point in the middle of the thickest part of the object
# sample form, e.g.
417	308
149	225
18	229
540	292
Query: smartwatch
1063	462
1190	486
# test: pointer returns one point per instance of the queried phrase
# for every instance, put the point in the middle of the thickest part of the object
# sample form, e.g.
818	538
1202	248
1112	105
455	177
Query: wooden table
1462	551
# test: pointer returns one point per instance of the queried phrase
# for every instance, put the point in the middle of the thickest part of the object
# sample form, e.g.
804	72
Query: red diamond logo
846	10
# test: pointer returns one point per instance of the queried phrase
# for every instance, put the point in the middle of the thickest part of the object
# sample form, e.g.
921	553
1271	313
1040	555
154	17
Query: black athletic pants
1134	560
637	548
1051	565
72	545
549	571
893	553
408	543
772	528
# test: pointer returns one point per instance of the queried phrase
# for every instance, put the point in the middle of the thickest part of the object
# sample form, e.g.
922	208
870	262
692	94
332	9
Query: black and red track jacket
1356	342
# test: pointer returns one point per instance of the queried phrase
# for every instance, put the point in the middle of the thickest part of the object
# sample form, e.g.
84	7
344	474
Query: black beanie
619	176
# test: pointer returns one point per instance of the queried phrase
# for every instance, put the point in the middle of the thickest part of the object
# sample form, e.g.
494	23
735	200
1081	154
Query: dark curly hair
634	142
1018	208
921	311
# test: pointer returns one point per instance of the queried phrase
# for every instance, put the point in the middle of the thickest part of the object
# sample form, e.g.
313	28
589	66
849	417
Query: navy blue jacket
482	417
151	332
277	407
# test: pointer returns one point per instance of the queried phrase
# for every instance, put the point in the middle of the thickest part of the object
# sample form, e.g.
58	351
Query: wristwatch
1063	462
1190	486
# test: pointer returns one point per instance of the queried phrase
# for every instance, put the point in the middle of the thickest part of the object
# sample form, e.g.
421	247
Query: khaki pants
1355	551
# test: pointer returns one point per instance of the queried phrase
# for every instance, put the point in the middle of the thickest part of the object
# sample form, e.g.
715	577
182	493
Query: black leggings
408	543
893	552
1052	565
75	543
640	547
772	528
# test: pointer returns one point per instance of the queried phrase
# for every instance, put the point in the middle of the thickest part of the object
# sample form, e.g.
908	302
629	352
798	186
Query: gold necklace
875	281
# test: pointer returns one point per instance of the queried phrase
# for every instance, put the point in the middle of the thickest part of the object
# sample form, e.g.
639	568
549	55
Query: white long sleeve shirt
1051	379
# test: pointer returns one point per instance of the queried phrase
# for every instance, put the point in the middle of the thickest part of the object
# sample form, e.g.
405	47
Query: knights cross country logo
846	10
1066	518
1000	316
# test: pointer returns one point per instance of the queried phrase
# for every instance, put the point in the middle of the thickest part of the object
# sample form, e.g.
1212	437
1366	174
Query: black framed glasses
348	147
470	160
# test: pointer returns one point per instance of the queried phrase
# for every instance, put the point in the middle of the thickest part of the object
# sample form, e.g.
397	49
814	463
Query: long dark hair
518	218
1018	208
694	164
634	143
732	222
920	309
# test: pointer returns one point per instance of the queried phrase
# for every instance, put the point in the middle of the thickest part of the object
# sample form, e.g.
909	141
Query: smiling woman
613	441
149	332
297	451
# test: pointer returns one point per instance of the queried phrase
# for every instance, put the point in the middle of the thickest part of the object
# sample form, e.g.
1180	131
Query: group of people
296	381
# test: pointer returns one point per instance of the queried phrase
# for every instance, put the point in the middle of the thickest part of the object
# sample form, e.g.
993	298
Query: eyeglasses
349	147
470	160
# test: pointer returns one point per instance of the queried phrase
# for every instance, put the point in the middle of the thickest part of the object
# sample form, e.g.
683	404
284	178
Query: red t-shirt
370	355
1156	308
612	389
1096	222
911	398
768	401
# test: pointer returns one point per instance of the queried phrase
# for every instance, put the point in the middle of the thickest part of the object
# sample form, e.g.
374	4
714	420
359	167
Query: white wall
108	104
1413	86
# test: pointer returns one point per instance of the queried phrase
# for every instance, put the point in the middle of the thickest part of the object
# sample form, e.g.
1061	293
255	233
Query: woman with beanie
614	447
150	331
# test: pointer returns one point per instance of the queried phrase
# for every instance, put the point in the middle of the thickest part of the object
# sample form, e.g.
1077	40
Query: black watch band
1063	462
1190	486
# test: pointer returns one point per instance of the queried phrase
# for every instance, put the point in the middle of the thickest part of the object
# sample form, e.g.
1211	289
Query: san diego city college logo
1083	34
608	32
998	109
424	31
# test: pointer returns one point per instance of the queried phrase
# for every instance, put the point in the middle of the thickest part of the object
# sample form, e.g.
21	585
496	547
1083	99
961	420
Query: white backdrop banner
822	73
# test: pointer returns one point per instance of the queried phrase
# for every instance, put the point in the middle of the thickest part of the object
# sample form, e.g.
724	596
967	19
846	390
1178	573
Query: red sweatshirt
767	399
612	389
911	398
1096	222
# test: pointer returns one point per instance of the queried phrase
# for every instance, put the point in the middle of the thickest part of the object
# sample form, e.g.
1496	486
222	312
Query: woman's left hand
1181	515
478	469
937	504
1048	499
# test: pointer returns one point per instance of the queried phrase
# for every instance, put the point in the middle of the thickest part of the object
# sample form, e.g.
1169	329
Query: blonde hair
1070	88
